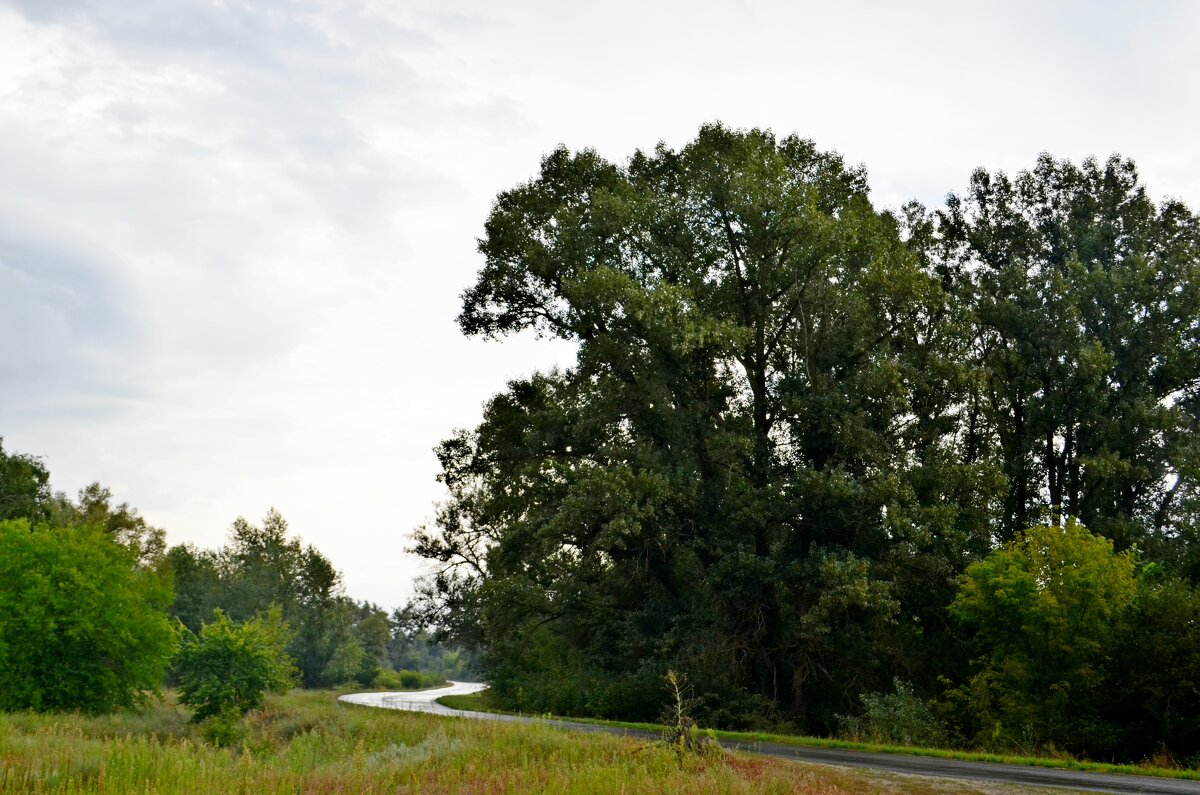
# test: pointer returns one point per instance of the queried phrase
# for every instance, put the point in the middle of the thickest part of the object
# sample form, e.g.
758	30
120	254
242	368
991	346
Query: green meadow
307	742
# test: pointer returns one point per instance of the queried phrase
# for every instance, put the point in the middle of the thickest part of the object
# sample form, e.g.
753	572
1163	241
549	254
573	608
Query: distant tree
414	646
260	566
122	523
81	625
228	667
1044	612
24	486
199	584
374	632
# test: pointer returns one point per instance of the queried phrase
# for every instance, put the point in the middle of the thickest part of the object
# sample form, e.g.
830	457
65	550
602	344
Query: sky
233	235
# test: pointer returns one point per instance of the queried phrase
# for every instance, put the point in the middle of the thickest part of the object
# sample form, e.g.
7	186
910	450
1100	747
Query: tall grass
306	742
483	701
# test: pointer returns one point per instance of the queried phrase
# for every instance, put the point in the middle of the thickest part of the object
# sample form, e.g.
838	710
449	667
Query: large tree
794	421
81	625
752	449
1085	298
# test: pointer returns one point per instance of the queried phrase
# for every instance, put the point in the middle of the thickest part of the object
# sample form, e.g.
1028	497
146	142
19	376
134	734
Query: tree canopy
81	625
24	486
794	420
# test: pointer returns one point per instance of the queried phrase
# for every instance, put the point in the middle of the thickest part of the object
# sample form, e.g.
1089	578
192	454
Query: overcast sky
233	234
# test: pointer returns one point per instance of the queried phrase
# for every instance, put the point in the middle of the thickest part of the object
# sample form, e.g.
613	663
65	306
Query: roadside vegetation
904	478
97	612
307	742
484	701
910	474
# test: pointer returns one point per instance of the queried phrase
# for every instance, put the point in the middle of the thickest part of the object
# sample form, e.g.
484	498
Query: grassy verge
481	702
306	742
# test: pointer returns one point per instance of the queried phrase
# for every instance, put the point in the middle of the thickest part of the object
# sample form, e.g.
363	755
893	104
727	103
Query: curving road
420	700
426	701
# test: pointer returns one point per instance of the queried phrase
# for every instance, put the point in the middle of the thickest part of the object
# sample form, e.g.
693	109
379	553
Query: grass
307	742
481	702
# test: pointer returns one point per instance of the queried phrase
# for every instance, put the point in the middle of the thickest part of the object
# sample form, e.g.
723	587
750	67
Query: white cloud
233	234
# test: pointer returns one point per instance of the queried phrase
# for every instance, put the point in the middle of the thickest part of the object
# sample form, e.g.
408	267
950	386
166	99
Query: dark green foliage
260	567
24	486
795	421
896	718
724	475
1084	298
82	626
1151	699
225	670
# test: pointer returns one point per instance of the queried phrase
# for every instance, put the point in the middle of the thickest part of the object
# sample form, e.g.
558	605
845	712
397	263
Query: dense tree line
93	606
336	639
809	447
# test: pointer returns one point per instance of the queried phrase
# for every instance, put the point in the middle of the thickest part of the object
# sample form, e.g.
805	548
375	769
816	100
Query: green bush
225	670
82	624
386	679
224	729
1044	613
898	718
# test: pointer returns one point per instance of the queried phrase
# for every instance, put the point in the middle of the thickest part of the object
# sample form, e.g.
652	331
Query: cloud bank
233	234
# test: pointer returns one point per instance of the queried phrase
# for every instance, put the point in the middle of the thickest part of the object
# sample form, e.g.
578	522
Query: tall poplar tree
721	483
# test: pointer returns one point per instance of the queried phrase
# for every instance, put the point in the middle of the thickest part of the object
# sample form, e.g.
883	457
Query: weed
681	733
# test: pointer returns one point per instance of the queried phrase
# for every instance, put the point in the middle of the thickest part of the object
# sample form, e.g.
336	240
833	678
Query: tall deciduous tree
763	403
1086	306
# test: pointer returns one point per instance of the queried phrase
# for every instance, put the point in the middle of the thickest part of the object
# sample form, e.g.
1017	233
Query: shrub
82	625
1044	611
898	718
224	729
226	669
387	679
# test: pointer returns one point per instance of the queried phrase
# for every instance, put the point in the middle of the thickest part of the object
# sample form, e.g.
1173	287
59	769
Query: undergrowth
1159	766
306	742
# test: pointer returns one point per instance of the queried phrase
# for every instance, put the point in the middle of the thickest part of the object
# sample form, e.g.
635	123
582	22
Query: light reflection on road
416	700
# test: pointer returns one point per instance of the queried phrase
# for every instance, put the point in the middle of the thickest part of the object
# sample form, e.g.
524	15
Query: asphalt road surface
426	701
